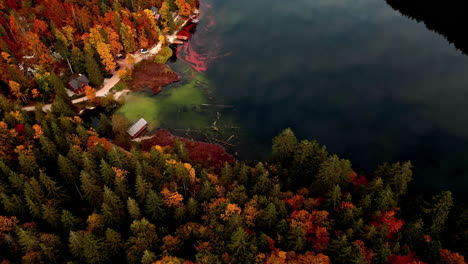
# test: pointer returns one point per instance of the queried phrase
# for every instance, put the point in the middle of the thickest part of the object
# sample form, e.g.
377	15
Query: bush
163	55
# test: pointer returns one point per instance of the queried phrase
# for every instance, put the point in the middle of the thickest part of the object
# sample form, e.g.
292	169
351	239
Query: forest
69	194
48	41
74	191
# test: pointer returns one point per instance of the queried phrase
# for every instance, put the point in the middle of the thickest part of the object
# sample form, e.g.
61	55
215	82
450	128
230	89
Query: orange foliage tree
90	92
172	199
447	257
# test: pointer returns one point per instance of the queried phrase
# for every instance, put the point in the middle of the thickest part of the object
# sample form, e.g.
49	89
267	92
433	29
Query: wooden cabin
78	84
136	128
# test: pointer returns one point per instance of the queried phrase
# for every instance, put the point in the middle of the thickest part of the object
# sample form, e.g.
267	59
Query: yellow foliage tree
231	209
15	88
104	51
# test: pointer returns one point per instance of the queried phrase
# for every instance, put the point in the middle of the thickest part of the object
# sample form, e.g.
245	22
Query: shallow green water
176	106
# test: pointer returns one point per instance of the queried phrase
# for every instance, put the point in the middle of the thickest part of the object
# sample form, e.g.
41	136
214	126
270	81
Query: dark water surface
356	75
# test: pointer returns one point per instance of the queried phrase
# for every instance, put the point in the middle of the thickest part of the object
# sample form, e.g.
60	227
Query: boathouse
137	127
78	84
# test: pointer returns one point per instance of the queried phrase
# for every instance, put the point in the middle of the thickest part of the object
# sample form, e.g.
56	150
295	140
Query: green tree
112	207
398	175
333	171
114	242
144	238
93	70
241	248
142	188
154	207
60	107
133	209
439	212
296	239
69	221
104	127
77	60
67	169
91	189
284	145
48	148
50	214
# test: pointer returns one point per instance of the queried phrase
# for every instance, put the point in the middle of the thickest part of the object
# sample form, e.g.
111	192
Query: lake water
355	75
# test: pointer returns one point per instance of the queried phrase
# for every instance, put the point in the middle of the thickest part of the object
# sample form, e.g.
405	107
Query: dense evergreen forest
73	193
69	195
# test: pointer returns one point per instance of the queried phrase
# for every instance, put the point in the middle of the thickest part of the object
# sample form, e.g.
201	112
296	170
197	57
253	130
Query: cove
356	75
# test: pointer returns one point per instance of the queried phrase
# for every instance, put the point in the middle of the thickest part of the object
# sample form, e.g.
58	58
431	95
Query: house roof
78	82
137	126
154	9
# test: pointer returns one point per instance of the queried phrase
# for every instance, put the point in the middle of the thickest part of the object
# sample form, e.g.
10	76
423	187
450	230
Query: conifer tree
67	169
133	209
439	212
92	68
284	145
91	189
154	207
142	188
112	207
69	221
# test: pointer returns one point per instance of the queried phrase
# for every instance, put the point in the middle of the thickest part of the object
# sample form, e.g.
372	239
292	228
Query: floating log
218	105
227	141
222	142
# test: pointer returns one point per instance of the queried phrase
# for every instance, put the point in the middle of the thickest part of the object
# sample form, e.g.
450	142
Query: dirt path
111	82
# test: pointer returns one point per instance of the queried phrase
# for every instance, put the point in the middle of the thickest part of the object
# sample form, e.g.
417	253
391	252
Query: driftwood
222	142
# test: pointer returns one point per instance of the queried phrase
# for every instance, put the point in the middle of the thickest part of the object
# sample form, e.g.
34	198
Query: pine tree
107	173
60	107
333	197
50	214
93	70
439	212
67	169
142	188
48	148
333	171
91	189
296	239
284	145
77	60
27	240
105	125
133	209
148	257
112	207
144	238
241	248
398	175
69	221
114	242
154	207
268	216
